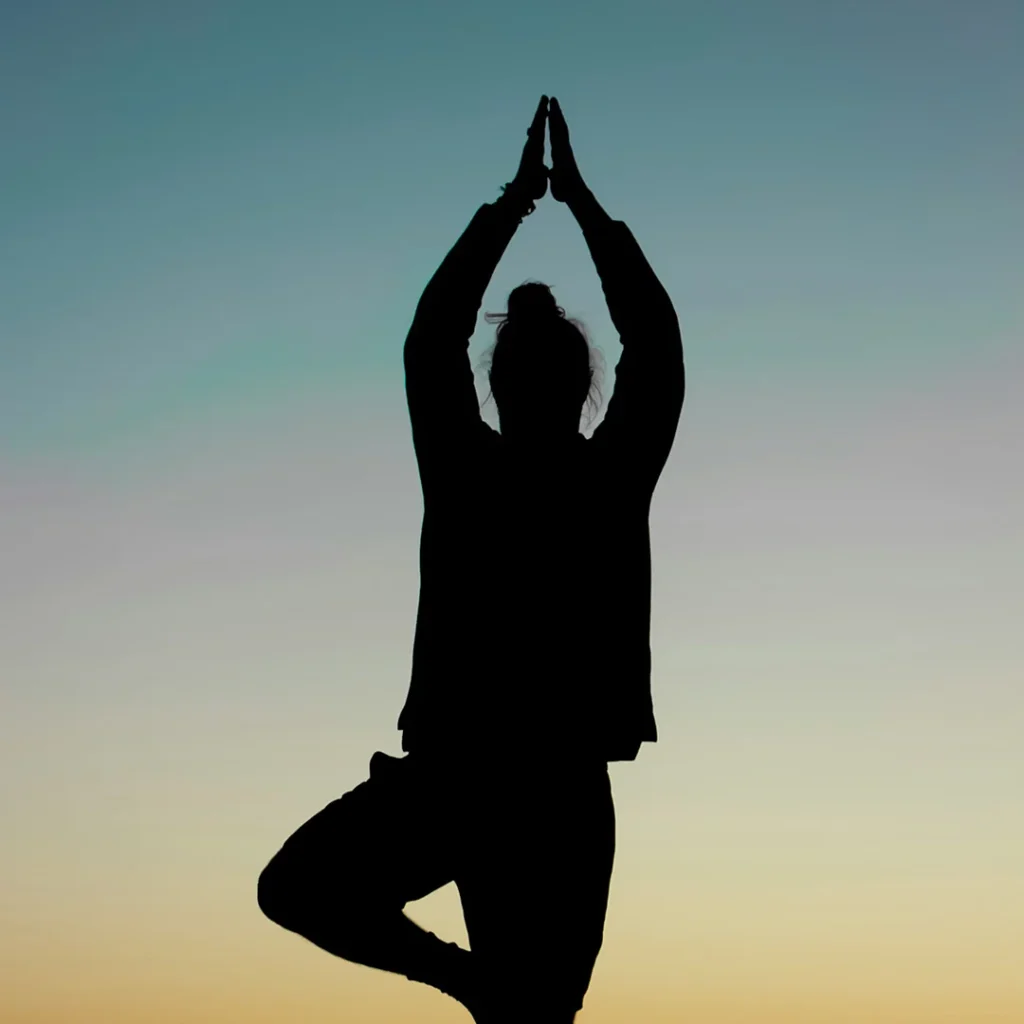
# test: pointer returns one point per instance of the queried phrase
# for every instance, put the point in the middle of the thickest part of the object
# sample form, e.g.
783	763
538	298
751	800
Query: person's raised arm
645	406
438	377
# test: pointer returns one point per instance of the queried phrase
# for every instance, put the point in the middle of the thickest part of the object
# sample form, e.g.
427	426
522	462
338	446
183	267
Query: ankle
445	966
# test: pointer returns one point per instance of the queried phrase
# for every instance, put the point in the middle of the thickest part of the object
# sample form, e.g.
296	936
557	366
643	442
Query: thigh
535	881
381	843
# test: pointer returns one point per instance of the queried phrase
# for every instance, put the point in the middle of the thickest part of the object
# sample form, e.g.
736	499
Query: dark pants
530	847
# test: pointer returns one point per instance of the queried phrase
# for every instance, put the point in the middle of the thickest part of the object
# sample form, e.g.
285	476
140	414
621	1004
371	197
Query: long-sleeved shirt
533	626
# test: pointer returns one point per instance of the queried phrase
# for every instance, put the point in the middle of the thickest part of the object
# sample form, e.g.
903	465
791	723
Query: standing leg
534	886
343	878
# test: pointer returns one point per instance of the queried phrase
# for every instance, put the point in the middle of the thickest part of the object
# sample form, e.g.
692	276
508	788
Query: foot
468	988
455	974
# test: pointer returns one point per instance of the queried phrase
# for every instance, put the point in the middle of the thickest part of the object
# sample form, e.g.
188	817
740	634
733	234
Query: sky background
216	219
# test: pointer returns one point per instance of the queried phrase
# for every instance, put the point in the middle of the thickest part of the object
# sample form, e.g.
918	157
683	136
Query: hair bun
532	302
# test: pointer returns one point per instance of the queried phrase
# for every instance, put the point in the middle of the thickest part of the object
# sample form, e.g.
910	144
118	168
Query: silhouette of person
531	658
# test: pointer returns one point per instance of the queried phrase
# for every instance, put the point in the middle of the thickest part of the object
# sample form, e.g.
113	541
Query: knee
297	896
287	893
277	894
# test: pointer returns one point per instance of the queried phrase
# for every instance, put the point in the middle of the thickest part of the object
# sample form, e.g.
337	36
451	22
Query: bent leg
535	891
343	878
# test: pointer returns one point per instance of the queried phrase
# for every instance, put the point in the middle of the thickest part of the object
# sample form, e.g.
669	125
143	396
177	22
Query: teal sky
207	206
215	222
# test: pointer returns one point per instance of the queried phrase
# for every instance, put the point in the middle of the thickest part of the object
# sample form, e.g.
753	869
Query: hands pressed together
532	178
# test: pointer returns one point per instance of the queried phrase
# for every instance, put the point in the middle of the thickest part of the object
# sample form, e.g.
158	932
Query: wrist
582	203
515	199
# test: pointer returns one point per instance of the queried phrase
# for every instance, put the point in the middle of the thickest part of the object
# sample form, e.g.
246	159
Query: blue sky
206	205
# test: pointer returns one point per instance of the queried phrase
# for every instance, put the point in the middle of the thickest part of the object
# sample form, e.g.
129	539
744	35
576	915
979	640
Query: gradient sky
216	219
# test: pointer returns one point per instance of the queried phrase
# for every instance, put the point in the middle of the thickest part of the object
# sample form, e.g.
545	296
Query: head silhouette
540	372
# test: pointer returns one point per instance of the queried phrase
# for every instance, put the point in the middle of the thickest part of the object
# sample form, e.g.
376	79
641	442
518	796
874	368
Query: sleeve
443	406
650	381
